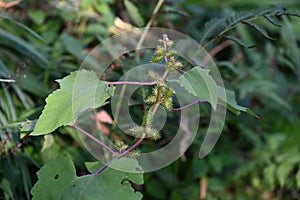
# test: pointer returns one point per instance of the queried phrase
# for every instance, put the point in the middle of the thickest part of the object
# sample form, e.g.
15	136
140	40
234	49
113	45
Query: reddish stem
130	83
93	138
120	155
188	105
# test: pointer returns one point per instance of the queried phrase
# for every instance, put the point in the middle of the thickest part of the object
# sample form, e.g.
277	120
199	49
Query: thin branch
130	83
121	155
188	105
93	138
180	71
154	13
7	80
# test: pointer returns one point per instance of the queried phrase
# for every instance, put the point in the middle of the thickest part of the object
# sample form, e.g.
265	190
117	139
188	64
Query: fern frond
272	20
213	27
238	17
218	27
259	29
238	41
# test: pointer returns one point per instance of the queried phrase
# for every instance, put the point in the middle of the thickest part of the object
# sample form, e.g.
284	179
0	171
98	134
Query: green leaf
216	163
23	47
72	45
134	13
58	180
283	171
269	175
37	16
32	32
198	82
86	3
298	177
156	189
232	105
63	104
259	29
33	84
272	20
238	41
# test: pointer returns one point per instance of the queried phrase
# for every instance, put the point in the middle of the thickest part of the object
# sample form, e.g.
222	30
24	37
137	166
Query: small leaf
134	13
283	171
273	20
269	175
198	82
58	180
37	16
232	105
64	104
238	41
259	29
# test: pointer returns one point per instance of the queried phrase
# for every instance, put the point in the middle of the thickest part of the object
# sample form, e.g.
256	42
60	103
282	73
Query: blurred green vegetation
41	41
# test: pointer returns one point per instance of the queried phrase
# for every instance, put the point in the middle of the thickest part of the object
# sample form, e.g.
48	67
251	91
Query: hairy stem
93	138
164	76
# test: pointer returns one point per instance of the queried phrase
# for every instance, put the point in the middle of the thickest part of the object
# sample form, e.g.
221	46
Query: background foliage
256	157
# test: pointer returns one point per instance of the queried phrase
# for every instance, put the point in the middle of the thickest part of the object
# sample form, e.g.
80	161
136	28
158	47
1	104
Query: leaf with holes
58	180
78	91
198	82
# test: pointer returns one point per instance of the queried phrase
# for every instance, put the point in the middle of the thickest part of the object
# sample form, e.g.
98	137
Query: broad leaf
63	104
58	180
198	82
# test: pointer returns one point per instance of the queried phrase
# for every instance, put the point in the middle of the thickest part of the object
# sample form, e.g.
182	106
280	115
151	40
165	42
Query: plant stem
130	83
165	40
93	138
120	155
164	76
188	105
